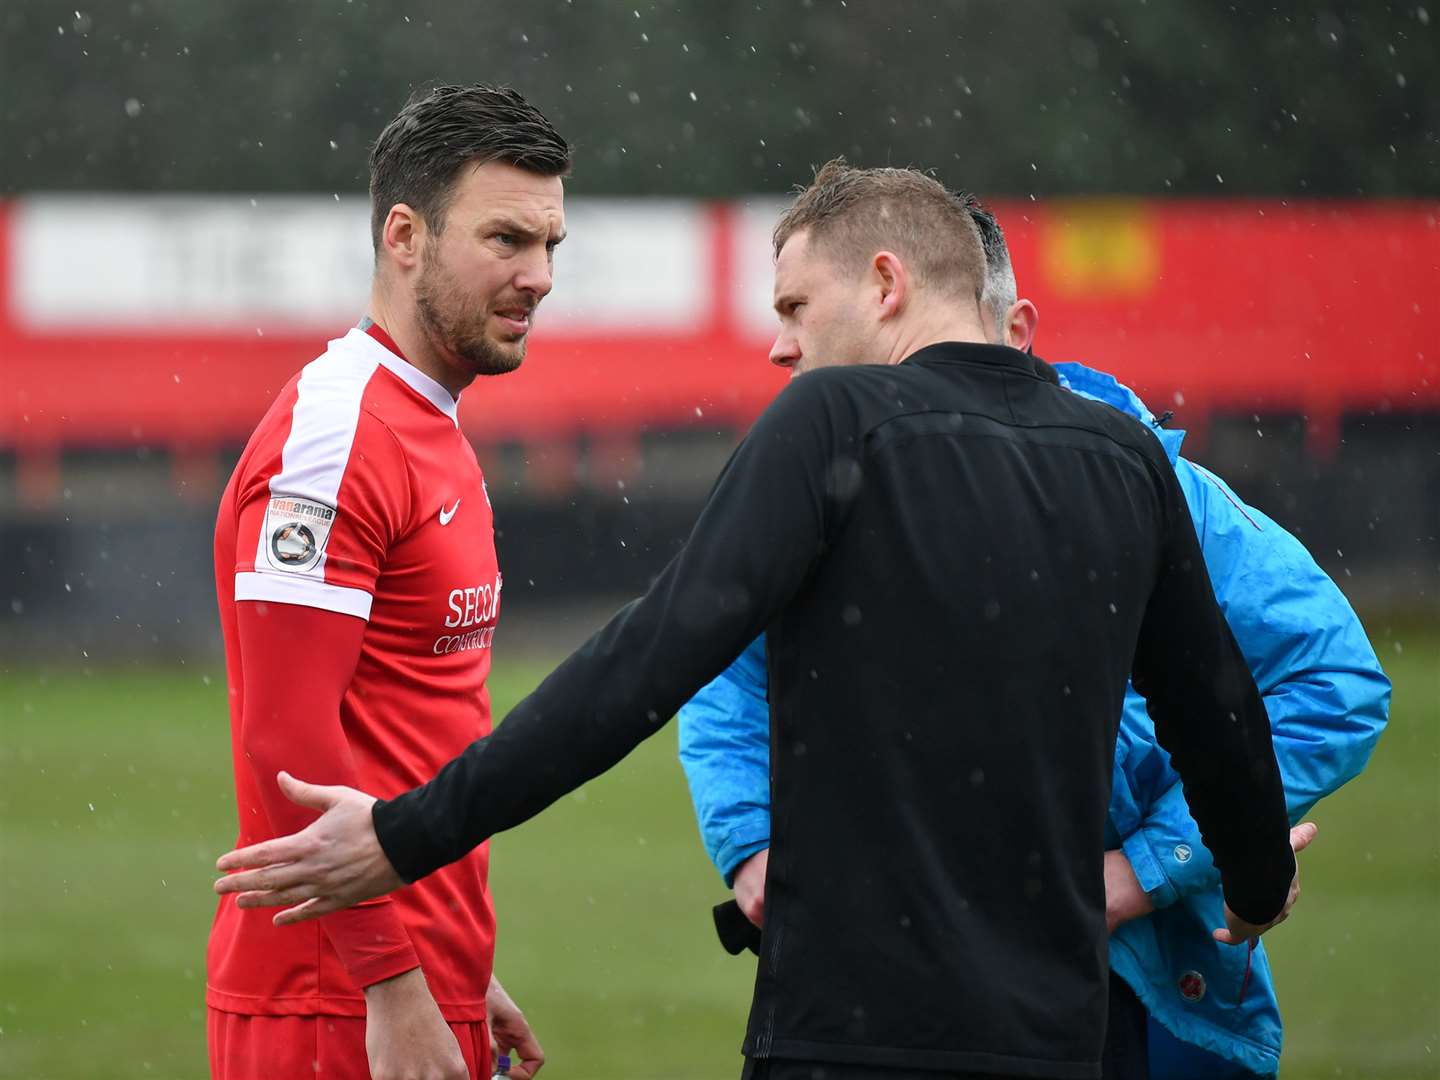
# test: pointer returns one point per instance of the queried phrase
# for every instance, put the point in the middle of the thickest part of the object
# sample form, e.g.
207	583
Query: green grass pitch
115	798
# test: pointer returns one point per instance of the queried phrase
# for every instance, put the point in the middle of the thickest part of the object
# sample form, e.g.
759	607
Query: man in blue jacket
1211	1006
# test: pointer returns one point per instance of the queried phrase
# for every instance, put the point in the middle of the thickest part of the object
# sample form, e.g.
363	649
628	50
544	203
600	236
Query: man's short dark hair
420	154
852	213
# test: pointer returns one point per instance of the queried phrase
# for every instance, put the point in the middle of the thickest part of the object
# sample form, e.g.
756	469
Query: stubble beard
462	334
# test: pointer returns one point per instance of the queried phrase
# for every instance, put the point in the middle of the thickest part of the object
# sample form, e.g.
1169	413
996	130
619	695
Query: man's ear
403	235
894	283
1021	322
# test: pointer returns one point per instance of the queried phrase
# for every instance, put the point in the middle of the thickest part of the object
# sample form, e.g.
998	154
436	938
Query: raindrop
693	97
133	107
334	145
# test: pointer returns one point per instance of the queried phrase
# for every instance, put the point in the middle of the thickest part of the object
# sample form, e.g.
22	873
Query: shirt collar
974	352
371	334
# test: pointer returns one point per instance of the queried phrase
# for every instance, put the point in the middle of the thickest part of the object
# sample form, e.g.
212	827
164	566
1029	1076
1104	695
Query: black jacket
957	565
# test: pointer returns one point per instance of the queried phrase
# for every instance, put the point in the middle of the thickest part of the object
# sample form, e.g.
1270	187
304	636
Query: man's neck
925	328
400	322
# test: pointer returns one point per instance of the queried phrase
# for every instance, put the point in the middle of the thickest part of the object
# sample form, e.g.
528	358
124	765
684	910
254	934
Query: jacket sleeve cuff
1148	870
1171	863
749	838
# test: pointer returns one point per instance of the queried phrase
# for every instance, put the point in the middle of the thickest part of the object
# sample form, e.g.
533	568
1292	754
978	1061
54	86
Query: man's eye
507	239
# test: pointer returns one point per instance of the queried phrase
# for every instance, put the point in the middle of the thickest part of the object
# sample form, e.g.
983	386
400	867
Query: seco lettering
473	605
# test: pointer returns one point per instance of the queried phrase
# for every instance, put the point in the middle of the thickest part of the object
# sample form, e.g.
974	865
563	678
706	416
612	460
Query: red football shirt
359	495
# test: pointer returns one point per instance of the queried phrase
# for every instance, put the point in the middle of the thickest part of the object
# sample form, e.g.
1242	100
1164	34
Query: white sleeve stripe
323	423
303	592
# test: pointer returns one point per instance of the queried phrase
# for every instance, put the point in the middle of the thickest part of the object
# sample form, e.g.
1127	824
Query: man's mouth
515	320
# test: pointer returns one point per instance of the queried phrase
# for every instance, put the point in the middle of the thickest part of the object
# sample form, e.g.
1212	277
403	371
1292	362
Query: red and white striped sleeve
326	494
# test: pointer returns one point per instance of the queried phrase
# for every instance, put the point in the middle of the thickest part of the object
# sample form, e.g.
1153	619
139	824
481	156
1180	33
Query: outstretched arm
755	544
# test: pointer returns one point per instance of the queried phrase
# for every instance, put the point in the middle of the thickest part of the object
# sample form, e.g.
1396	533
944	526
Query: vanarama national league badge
296	531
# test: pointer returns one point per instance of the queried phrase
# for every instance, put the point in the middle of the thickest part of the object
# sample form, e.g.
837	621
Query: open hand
334	862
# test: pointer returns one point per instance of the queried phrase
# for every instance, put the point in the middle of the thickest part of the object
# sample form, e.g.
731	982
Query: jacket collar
971	352
1108	390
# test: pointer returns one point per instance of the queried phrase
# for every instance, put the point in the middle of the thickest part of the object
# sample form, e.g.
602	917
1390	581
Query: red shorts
312	1047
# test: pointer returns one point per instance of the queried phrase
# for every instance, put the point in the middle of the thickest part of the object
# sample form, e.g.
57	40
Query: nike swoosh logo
446	515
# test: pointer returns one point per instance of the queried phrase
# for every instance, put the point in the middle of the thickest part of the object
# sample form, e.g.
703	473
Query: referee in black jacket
957	564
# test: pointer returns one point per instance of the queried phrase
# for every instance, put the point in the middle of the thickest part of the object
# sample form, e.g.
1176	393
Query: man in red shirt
359	593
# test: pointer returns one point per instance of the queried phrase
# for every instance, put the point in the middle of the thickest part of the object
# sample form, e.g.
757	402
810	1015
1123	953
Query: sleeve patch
296	532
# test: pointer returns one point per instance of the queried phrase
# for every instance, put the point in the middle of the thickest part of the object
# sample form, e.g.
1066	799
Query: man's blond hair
850	214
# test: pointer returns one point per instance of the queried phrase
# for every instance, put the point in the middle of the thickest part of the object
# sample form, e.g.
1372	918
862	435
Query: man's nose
537	275
785	352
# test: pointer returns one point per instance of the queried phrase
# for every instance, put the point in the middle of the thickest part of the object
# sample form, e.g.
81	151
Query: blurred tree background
675	97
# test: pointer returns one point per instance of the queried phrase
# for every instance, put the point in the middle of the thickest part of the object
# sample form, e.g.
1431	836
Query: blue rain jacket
1328	701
